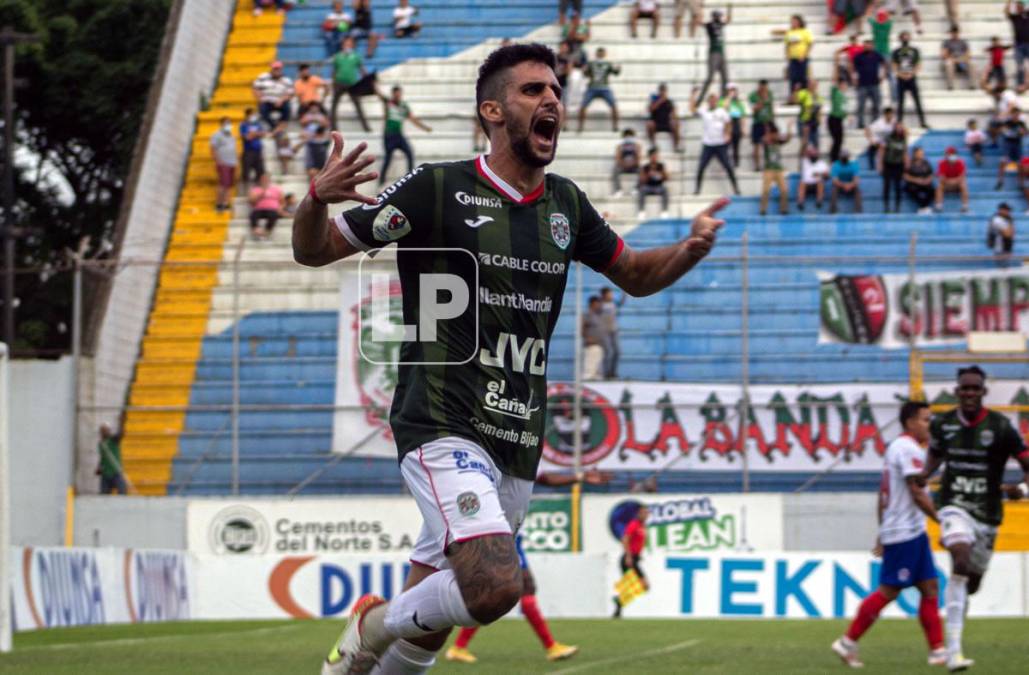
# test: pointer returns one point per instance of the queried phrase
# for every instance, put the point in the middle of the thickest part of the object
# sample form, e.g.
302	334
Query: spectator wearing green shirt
881	24
350	77
810	116
762	107
716	50
892	162
737	110
109	468
598	75
774	173
397	111
837	116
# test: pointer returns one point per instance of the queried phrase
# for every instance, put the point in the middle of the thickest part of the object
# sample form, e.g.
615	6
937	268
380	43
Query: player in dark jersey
974	444
468	412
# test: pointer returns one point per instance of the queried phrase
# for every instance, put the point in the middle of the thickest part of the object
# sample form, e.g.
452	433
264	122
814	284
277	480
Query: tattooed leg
488	575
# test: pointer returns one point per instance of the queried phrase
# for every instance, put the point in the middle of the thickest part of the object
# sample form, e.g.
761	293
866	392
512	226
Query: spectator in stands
1019	18
813	174
774	173
662	117
907	8
612	350
845	181
335	27
598	73
996	76
869	68
404	24
737	110
762	107
309	88
957	58
876	133
109	468
974	140
576	33
563	7
1023	179
289	206
273	92
1000	233
1004	100
251	133
918	181
837	116
714	137
281	6
645	9
627	160
716	50
223	151
1012	133
594	336
284	150
798	40
350	77
396	112
563	68
907	61
266	202
881	23
317	139
953	178
843	60
809	117
892	162
653	177
362	28
696	8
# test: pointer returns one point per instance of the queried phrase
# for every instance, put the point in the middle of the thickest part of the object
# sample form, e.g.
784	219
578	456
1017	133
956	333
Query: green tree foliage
78	119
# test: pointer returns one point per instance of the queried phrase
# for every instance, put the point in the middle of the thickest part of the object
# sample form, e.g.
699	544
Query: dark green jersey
975	453
524	246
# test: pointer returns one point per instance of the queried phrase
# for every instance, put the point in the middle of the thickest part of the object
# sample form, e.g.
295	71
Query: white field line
628	657
160	638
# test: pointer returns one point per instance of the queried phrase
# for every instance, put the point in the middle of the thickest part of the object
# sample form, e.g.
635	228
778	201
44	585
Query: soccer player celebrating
903	542
469	430
974	444
633	539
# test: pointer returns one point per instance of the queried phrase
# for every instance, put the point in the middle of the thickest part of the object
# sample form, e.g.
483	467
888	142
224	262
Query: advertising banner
686	523
53	587
365	526
938	309
548	525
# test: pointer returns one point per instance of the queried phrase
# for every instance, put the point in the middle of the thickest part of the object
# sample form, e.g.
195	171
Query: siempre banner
54	587
938	309
369	525
685	523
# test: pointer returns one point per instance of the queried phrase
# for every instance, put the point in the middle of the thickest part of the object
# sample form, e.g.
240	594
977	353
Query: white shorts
958	527
902	6
462	495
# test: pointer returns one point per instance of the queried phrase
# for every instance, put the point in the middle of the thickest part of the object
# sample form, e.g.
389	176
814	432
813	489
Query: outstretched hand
338	180
704	229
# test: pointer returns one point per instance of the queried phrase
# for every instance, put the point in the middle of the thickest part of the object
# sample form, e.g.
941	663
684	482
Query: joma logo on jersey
531	353
496	401
465	199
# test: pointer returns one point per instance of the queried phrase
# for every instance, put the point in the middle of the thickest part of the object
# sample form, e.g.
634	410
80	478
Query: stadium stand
288	325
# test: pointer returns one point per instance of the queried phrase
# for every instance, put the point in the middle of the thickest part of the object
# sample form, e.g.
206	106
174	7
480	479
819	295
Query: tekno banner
938	309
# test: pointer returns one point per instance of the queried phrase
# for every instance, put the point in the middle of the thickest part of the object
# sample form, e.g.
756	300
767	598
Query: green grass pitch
607	647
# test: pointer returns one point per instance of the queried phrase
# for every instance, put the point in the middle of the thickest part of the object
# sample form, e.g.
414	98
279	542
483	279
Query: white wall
41	424
130	521
192	69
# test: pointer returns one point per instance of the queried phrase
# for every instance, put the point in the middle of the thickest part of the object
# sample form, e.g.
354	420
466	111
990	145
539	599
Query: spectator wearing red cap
953	178
273	92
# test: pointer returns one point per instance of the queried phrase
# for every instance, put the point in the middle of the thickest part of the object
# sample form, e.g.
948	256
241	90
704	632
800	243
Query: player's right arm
921	497
315	241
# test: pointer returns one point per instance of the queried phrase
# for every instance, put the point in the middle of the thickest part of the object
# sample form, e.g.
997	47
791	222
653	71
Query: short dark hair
594	298
605	289
492	81
762	82
974	370
910	409
304	66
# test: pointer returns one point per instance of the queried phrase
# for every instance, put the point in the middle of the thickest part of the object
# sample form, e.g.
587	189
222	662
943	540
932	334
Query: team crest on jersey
468	504
560	230
986	437
391	224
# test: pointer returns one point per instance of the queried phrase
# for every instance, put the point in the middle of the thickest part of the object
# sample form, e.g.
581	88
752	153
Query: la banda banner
650	426
890	311
365	526
57	587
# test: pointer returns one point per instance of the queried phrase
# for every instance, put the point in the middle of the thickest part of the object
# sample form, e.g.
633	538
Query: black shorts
662	124
757	132
635	566
646	15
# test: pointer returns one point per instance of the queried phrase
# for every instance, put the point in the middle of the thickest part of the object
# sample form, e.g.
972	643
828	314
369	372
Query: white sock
404	658
956	596
433	605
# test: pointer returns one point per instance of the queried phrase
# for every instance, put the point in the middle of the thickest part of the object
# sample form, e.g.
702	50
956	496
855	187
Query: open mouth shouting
545	130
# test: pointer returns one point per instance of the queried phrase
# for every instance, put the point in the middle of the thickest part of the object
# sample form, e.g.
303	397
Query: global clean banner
890	311
52	587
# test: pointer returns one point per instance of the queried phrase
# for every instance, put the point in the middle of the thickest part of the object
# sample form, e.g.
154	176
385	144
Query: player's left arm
641	273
